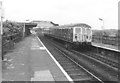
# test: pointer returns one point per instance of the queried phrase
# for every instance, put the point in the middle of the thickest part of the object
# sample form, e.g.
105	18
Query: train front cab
77	34
88	36
82	36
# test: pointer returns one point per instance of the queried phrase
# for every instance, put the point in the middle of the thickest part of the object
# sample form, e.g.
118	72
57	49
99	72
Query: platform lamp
1	18
102	28
1	27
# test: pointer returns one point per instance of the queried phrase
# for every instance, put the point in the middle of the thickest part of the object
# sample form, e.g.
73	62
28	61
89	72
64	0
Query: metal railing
106	40
8	42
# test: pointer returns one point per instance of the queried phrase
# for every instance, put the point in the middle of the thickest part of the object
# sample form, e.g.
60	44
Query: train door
88	34
83	34
77	34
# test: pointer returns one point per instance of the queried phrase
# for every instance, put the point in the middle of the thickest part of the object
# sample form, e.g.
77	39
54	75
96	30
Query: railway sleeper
76	72
76	69
68	64
81	78
66	67
67	61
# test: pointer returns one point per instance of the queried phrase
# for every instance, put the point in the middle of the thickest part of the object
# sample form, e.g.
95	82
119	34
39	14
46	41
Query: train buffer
30	61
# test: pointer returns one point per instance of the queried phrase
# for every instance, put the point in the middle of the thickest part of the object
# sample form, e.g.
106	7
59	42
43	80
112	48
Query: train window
83	30
88	31
78	30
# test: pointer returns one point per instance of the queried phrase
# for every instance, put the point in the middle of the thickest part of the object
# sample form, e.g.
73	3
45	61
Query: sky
64	11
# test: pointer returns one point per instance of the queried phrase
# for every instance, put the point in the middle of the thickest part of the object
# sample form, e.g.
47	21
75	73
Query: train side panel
65	34
77	34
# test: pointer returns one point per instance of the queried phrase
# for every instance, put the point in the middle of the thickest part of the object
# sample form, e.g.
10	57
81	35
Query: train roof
73	25
82	24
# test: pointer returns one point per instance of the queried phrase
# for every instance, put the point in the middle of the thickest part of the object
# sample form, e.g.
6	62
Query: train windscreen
78	30
88	30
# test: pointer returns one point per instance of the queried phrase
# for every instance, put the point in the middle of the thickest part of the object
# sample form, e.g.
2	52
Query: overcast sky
64	11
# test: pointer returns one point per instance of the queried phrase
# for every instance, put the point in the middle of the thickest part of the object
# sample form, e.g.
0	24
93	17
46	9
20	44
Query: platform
30	61
106	46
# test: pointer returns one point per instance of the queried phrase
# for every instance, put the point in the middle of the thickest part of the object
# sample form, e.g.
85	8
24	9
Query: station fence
106	40
8	42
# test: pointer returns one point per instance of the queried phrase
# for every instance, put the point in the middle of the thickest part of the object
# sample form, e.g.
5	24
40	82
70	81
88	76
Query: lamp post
103	22
1	25
102	28
1	29
1	17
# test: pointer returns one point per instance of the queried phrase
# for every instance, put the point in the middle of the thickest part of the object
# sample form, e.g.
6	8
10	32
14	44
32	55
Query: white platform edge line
67	76
106	48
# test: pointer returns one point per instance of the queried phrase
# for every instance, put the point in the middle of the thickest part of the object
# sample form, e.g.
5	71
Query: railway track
76	71
104	70
101	71
111	63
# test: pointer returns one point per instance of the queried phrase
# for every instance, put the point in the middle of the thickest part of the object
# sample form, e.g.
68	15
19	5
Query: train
79	34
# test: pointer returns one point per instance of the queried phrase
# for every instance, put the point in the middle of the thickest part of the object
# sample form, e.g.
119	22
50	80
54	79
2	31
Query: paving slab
30	61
